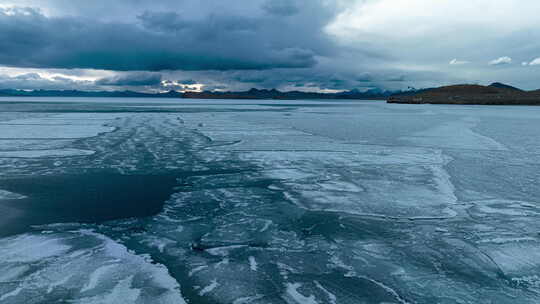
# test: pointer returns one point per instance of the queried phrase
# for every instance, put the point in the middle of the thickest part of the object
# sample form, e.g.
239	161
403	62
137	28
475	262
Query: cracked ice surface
290	202
83	266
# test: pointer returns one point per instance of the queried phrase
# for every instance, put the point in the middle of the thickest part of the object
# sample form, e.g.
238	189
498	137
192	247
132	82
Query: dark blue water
85	198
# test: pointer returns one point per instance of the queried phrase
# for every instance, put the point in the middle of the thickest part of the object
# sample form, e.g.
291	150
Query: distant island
374	94
467	94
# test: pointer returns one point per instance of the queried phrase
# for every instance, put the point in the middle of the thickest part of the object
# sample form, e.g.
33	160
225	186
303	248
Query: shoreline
463	104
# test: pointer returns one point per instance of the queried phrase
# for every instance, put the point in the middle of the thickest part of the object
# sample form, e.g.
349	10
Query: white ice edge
45	153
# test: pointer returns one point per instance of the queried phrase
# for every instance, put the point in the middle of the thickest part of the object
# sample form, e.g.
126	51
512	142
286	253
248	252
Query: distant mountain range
494	94
275	94
77	93
251	94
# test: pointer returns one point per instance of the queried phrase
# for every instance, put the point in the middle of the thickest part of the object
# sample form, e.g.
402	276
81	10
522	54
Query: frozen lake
238	201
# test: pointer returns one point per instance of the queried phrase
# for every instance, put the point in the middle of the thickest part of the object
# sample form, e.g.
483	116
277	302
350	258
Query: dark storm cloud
320	77
213	25
187	81
364	77
132	79
281	7
249	78
163	21
161	40
397	78
288	78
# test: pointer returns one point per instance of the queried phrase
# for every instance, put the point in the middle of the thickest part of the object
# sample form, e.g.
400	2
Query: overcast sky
285	44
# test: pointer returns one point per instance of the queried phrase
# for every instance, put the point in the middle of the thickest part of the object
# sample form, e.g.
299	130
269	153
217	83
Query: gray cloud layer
132	79
33	81
163	40
287	44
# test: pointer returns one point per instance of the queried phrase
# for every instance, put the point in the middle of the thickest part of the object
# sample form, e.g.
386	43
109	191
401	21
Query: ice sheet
51	131
456	135
313	202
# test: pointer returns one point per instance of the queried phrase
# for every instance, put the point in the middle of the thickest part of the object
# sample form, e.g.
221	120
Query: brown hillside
470	94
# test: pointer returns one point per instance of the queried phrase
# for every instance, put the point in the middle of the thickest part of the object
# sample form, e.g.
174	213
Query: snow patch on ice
96	276
213	285
31	248
247	300
516	258
332	299
504	240
197	269
252	263
121	293
224	251
10	195
11	294
80	262
498	207
294	296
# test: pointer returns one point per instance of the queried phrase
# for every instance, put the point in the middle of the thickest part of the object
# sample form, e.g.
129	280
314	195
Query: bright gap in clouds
437	36
413	18
75	74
